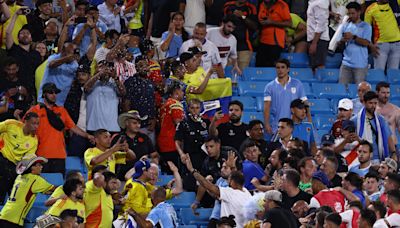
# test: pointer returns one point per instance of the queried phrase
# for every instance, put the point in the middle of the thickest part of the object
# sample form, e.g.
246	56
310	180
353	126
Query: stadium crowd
140	93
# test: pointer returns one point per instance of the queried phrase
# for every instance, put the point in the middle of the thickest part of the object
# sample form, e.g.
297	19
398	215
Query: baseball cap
133	114
345	104
45	221
348	125
298	103
196	50
140	167
273	195
50	87
322	177
27	161
327	139
83	68
185	56
52	20
391	163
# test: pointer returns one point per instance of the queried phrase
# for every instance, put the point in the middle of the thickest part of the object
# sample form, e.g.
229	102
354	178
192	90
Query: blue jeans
389	54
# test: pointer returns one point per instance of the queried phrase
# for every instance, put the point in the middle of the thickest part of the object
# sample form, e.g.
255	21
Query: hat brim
21	168
136	175
125	116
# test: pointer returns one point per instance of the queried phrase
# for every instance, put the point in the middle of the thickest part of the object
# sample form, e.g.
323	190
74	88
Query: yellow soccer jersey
111	162
64	204
22	197
137	197
99	207
14	144
150	188
58	192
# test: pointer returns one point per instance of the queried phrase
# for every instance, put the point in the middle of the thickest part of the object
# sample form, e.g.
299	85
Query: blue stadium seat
183	200
248	116
73	163
352	90
323	122
393	76
55	179
260	104
228	71
319	135
265	74
375	76
299	60
308	90
164	179
253	89
396	101
329	90
41	199
320	106
29	224
334	61
35	212
187	226
249	103
395	91
200	218
302	74
328	75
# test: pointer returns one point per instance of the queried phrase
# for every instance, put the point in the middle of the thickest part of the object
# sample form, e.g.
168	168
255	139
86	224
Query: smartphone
122	138
79	20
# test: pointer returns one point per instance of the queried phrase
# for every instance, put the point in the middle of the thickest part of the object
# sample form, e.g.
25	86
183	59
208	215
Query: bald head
363	87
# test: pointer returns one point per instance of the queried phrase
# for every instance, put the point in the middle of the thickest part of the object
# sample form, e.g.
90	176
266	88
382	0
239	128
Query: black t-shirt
212	166
232	135
27	61
161	10
37	26
215	13
288	202
280	217
141	145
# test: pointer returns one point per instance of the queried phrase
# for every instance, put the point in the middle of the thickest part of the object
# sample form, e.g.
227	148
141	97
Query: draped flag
215	97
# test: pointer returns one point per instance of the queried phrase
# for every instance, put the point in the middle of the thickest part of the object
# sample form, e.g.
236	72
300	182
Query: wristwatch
243	17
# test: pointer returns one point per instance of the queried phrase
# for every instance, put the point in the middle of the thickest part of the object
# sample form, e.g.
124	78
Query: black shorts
319	58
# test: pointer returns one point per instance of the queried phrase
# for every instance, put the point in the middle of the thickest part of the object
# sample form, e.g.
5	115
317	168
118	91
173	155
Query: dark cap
25	27
348	125
196	50
185	56
90	8
140	166
298	103
83	68
41	2
327	139
322	177
50	87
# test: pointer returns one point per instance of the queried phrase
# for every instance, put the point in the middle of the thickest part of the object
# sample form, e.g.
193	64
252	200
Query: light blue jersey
164	215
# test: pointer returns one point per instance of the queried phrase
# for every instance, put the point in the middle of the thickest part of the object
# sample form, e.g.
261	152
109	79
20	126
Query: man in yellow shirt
386	48
16	140
26	186
103	154
21	21
73	189
59	192
99	204
135	188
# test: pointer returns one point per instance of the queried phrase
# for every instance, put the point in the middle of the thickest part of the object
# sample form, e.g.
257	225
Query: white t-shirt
233	202
207	60
393	220
226	45
195	11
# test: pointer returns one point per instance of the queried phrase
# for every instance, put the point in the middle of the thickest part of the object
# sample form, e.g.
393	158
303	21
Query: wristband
194	171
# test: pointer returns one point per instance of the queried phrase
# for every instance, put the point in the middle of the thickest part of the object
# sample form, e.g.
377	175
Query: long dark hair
185	34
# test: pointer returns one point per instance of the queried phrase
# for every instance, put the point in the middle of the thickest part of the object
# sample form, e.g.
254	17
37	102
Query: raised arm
178	189
5	11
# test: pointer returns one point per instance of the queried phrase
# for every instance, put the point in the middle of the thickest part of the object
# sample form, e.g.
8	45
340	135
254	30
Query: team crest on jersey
338	207
293	89
308	129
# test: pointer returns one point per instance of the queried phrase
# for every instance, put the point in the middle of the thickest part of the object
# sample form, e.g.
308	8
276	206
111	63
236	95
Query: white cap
346	104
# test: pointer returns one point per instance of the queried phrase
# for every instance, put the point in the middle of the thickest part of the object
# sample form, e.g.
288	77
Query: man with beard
27	59
255	132
99	204
373	127
212	59
37	19
345	110
364	157
226	42
73	190
232	133
140	97
21	20
60	70
53	121
103	91
389	111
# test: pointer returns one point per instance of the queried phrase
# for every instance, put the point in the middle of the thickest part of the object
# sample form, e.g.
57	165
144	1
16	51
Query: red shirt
171	112
332	198
51	141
